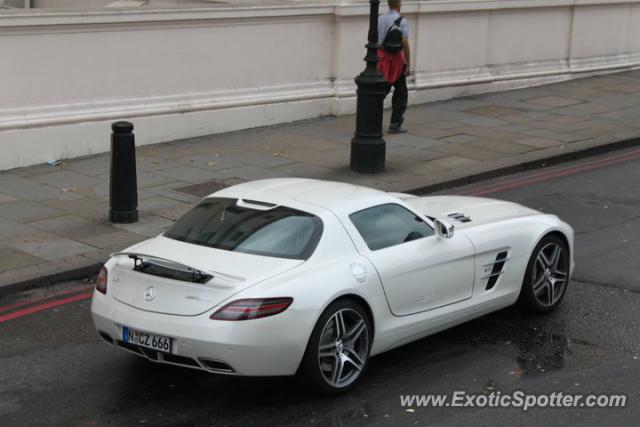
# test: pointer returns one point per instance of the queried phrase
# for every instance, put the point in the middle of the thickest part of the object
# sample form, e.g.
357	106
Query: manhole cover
205	188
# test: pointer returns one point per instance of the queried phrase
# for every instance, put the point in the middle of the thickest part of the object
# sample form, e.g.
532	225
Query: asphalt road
55	371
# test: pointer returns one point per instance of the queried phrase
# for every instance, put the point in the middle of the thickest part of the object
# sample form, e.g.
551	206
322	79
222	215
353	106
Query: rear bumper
259	347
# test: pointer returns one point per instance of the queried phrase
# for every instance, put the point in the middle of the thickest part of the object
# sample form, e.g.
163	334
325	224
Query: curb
51	279
553	159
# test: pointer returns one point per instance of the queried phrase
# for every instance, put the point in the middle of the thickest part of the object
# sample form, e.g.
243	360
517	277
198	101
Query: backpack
393	39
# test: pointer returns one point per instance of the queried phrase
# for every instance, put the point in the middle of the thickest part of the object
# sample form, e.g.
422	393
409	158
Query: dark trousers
398	100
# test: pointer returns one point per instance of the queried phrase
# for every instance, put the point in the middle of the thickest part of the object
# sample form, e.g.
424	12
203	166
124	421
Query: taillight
252	308
101	281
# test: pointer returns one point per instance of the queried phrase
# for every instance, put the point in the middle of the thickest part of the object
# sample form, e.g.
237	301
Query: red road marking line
590	162
584	166
52	295
44	306
595	163
545	176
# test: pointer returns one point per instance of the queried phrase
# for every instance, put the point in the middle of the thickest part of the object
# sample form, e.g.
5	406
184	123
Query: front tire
547	276
338	351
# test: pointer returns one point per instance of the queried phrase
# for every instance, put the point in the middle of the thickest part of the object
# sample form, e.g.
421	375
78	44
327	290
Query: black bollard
123	186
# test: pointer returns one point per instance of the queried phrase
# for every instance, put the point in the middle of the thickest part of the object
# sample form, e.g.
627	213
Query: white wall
182	73
69	4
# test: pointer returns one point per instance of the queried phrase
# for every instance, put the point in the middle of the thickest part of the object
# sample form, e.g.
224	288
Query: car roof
335	196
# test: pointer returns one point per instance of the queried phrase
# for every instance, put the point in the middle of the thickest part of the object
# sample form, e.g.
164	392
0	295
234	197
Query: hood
465	212
231	273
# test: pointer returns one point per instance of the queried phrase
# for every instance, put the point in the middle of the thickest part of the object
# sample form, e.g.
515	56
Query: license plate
144	339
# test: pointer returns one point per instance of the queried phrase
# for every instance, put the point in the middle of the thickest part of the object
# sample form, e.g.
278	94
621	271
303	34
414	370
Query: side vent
459	217
496	269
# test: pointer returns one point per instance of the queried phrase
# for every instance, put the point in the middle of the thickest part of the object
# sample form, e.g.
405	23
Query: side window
389	225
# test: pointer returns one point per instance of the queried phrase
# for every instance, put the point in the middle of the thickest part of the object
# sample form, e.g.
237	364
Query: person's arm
407	56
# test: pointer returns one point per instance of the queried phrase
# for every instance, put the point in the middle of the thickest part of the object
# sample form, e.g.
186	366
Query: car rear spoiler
163	267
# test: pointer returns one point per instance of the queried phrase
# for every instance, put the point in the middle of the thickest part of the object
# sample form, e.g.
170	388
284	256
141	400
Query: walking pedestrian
394	54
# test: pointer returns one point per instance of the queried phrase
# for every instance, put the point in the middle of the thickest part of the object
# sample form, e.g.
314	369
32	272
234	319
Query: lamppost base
367	155
367	146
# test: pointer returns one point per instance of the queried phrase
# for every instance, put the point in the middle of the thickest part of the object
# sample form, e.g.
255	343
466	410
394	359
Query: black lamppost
367	146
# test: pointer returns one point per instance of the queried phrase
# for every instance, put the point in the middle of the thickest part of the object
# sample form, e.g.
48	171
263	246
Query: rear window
275	231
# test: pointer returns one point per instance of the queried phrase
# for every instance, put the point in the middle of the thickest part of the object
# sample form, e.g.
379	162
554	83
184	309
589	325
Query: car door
419	270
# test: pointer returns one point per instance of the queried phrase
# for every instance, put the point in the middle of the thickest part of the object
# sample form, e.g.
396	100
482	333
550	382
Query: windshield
277	232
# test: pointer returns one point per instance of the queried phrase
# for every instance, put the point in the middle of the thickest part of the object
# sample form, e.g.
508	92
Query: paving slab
171	191
180	174
148	226
71	226
84	207
421	154
10	229
207	161
121	239
460	138
25	211
555	101
173	213
156	203
152	178
164	151
304	170
54	219
154	164
28	189
49	247
469	151
93	166
67	179
411	140
4	198
13	259
539	142
429	131
484	121
503	146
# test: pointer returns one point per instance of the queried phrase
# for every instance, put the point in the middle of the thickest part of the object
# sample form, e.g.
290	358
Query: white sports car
286	276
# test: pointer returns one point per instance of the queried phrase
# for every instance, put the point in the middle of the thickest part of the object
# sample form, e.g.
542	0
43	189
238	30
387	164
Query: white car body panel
433	273
480	210
229	269
411	290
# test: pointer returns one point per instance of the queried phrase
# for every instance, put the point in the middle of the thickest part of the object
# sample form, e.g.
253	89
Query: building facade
185	72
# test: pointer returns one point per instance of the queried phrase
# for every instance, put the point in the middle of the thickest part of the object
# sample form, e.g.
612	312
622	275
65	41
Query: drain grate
205	188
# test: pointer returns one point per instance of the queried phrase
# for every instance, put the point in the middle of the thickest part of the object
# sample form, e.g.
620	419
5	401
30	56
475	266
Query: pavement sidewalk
53	219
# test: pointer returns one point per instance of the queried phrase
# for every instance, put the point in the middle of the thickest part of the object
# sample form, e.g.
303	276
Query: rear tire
338	351
546	277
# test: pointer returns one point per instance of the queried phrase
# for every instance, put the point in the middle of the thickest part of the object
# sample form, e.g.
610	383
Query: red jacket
391	65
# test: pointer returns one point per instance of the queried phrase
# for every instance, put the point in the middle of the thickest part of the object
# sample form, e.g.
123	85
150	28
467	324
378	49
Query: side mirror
444	229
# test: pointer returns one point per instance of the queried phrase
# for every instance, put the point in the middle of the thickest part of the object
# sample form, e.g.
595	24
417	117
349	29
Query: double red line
556	173
30	306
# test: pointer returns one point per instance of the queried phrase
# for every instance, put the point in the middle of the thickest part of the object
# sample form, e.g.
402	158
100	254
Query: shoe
397	129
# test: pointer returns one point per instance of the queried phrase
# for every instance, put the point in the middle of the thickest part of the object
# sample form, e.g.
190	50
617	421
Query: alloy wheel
549	274
344	347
